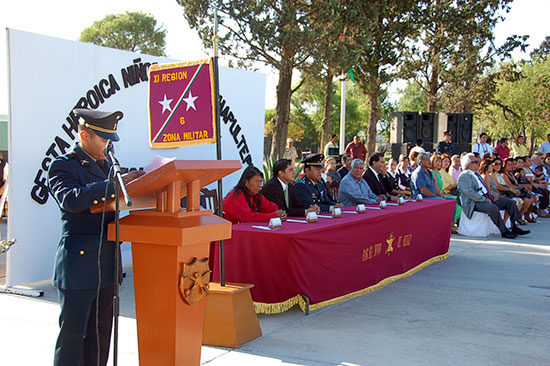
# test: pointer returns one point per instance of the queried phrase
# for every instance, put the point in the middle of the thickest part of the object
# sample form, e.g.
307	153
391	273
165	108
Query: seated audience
330	170
374	178
546	167
354	189
507	173
245	203
346	161
455	169
449	186
311	189
475	196
392	179
423	181
486	169
412	160
404	174
280	189
507	191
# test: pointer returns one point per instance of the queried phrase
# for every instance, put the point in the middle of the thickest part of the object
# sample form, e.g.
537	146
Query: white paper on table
261	227
349	212
325	216
392	204
373	208
156	162
292	220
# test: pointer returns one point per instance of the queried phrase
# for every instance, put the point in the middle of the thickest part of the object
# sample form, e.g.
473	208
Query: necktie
286	196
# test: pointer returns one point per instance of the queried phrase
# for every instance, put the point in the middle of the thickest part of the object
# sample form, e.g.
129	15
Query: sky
67	18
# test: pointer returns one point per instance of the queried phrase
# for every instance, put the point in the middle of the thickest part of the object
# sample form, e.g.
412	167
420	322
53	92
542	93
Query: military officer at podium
311	189
85	261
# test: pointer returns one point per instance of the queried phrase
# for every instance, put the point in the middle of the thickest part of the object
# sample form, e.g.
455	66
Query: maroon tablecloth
336	258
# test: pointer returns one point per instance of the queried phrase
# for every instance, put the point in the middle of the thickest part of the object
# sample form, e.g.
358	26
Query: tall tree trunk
373	118
432	90
282	111
327	110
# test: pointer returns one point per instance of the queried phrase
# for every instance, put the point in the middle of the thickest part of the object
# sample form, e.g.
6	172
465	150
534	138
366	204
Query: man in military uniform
446	146
311	189
85	260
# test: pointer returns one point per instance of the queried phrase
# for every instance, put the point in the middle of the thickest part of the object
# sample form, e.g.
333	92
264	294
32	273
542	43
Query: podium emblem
194	280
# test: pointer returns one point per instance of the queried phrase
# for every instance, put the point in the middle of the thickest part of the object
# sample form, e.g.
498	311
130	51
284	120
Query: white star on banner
166	104
190	100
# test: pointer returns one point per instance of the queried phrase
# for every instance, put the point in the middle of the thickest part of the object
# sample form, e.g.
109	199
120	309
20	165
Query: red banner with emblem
182	104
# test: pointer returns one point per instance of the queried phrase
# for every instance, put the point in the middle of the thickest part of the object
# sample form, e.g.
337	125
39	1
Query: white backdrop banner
49	77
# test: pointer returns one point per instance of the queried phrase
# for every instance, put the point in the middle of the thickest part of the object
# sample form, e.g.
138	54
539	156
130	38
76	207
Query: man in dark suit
77	181
280	190
373	177
346	161
311	188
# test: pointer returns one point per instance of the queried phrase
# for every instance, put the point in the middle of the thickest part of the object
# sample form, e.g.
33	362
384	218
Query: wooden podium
170	248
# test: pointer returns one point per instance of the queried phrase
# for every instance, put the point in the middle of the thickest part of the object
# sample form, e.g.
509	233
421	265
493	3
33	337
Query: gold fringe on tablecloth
280	307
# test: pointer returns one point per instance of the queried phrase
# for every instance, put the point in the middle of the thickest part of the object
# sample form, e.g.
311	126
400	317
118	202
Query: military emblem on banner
181	104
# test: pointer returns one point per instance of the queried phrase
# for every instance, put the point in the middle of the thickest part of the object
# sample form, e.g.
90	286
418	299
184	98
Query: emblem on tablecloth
390	240
194	280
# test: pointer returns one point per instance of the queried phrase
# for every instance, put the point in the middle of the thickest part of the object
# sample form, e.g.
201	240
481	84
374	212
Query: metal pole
218	139
343	117
116	297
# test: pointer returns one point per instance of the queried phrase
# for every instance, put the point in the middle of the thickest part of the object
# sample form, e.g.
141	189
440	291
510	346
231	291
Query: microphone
110	146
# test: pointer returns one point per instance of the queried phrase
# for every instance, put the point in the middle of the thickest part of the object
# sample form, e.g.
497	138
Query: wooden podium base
229	318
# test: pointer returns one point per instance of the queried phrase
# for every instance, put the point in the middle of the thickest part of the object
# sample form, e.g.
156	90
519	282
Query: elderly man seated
423	181
476	196
354	189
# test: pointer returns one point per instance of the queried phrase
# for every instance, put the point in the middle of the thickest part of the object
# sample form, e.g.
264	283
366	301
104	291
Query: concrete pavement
488	304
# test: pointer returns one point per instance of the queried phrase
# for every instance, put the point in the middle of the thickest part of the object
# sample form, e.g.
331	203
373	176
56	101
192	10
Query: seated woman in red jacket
245	203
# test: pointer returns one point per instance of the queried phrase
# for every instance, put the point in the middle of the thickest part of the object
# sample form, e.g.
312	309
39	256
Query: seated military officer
311	189
77	181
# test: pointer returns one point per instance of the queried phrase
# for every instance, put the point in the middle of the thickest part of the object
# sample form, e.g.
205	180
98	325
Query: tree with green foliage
276	33
382	31
521	104
457	50
411	98
132	31
542	51
330	52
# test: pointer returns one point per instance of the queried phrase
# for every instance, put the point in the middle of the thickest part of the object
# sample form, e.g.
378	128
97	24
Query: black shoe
509	235
519	231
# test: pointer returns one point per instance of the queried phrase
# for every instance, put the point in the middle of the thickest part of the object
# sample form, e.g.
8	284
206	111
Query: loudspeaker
460	148
426	127
459	123
403	127
398	149
465	128
453	125
410	121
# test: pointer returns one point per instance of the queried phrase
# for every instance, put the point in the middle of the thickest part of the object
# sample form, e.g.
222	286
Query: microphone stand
119	185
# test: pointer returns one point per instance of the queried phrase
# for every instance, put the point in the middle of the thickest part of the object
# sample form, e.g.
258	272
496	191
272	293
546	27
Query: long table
334	259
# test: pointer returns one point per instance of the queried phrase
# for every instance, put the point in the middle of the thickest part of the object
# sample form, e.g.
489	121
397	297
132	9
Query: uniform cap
104	124
314	160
